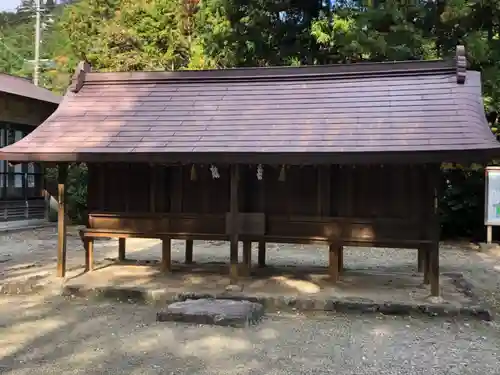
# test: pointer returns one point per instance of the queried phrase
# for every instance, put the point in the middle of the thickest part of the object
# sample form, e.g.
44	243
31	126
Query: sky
9	4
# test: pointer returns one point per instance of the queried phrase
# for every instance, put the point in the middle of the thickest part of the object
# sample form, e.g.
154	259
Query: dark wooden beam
435	228
333	266
349	173
262	254
324	209
233	209
293	158
166	255
341	259
262	208
189	252
247	257
121	249
421	259
176	197
425	249
61	220
433	272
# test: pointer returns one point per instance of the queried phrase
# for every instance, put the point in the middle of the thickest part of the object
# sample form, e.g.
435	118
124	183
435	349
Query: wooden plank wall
398	199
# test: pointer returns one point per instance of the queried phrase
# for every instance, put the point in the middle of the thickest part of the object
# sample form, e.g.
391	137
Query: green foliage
76	190
462	203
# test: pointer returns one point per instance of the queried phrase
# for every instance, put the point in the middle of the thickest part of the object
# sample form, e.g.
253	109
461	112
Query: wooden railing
260	227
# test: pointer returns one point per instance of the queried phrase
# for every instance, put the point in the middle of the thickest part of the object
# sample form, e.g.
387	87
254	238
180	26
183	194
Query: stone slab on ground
222	312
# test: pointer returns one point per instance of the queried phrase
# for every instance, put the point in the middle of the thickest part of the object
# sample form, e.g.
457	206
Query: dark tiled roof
22	87
389	109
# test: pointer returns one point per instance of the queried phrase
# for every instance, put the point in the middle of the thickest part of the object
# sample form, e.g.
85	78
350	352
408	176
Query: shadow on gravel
57	331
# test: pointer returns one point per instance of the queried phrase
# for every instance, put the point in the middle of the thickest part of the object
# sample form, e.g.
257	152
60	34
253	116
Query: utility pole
38	26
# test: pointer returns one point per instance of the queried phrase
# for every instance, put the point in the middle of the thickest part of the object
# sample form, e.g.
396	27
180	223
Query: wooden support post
166	255
425	264
341	260
420	259
61	220
247	257
89	254
176	198
233	272
121	249
262	254
261	258
434	269
189	252
333	266
432	258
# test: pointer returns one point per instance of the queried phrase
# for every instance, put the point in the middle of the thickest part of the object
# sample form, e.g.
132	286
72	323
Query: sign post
492	201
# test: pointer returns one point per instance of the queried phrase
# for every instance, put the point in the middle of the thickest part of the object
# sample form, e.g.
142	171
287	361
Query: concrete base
283	289
213	311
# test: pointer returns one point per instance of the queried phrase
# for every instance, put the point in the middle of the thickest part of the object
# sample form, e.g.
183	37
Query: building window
20	181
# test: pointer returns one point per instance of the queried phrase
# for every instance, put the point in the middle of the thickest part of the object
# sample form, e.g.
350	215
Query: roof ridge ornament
461	61
79	77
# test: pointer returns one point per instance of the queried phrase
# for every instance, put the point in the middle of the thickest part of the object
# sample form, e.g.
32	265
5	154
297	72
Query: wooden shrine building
340	155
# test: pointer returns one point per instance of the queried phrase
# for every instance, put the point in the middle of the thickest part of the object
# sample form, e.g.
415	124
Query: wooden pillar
233	217
176	205
89	254
61	220
262	254
324	209
121	249
421	259
425	263
333	266
341	259
247	257
189	252
434	269
432	258
166	255
261	258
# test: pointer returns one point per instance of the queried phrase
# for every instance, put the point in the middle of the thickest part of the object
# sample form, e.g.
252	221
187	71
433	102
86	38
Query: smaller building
23	106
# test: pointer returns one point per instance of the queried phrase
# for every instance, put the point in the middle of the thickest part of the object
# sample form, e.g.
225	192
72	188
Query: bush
76	193
462	203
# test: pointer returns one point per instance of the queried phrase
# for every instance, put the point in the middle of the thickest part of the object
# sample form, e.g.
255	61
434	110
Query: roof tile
425	111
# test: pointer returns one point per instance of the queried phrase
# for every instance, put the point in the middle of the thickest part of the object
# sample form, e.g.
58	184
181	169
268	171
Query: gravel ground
50	335
73	337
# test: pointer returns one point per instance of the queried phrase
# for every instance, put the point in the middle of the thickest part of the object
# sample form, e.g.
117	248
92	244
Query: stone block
223	312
